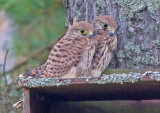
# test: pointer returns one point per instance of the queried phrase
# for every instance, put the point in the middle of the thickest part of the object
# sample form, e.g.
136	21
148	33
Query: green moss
156	43
137	50
129	7
131	29
121	55
153	5
149	59
155	75
133	54
44	82
131	51
136	60
101	4
111	78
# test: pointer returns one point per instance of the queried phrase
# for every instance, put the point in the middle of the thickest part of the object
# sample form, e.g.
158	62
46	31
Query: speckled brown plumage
70	55
104	27
34	72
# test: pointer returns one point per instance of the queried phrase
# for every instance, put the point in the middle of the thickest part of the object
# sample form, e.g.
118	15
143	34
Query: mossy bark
138	28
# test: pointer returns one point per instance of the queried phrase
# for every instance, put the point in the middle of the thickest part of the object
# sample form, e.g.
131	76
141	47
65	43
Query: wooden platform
40	94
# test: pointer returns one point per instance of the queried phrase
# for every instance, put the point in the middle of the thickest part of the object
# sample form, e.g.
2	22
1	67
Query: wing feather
33	73
64	55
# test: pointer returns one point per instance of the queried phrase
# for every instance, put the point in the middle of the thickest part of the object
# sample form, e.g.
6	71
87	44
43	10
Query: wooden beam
96	92
41	93
132	86
26	105
131	77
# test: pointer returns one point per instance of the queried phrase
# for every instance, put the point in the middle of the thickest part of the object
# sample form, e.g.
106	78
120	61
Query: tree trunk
138	28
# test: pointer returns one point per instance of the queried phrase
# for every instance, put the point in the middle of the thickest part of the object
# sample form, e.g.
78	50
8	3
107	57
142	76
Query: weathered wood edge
26	105
111	78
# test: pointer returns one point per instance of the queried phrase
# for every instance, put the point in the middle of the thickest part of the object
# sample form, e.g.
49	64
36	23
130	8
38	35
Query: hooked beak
111	31
91	34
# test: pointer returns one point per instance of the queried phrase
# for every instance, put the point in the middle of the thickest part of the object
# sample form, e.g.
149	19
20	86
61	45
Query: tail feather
18	104
32	74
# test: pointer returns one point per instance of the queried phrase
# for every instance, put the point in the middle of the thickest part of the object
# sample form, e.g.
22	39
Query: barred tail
33	73
18	104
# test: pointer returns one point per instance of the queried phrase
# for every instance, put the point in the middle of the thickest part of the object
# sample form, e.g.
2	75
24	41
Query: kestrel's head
105	23
81	28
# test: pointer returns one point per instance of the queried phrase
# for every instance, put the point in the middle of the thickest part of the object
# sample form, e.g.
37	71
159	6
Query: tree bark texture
138	28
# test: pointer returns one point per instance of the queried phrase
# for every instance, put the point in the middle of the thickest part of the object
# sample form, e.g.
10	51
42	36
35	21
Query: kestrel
71	56
104	28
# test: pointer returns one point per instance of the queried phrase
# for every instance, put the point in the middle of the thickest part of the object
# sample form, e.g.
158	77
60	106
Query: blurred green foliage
39	23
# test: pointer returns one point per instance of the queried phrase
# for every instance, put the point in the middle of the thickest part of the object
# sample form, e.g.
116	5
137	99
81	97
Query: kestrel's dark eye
82	31
105	25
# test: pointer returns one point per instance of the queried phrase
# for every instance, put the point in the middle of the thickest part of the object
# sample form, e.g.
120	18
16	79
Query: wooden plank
111	78
26	105
132	86
95	92
35	102
40	94
39	103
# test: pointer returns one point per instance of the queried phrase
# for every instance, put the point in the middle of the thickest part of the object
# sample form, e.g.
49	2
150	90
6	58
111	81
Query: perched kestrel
104	28
71	56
